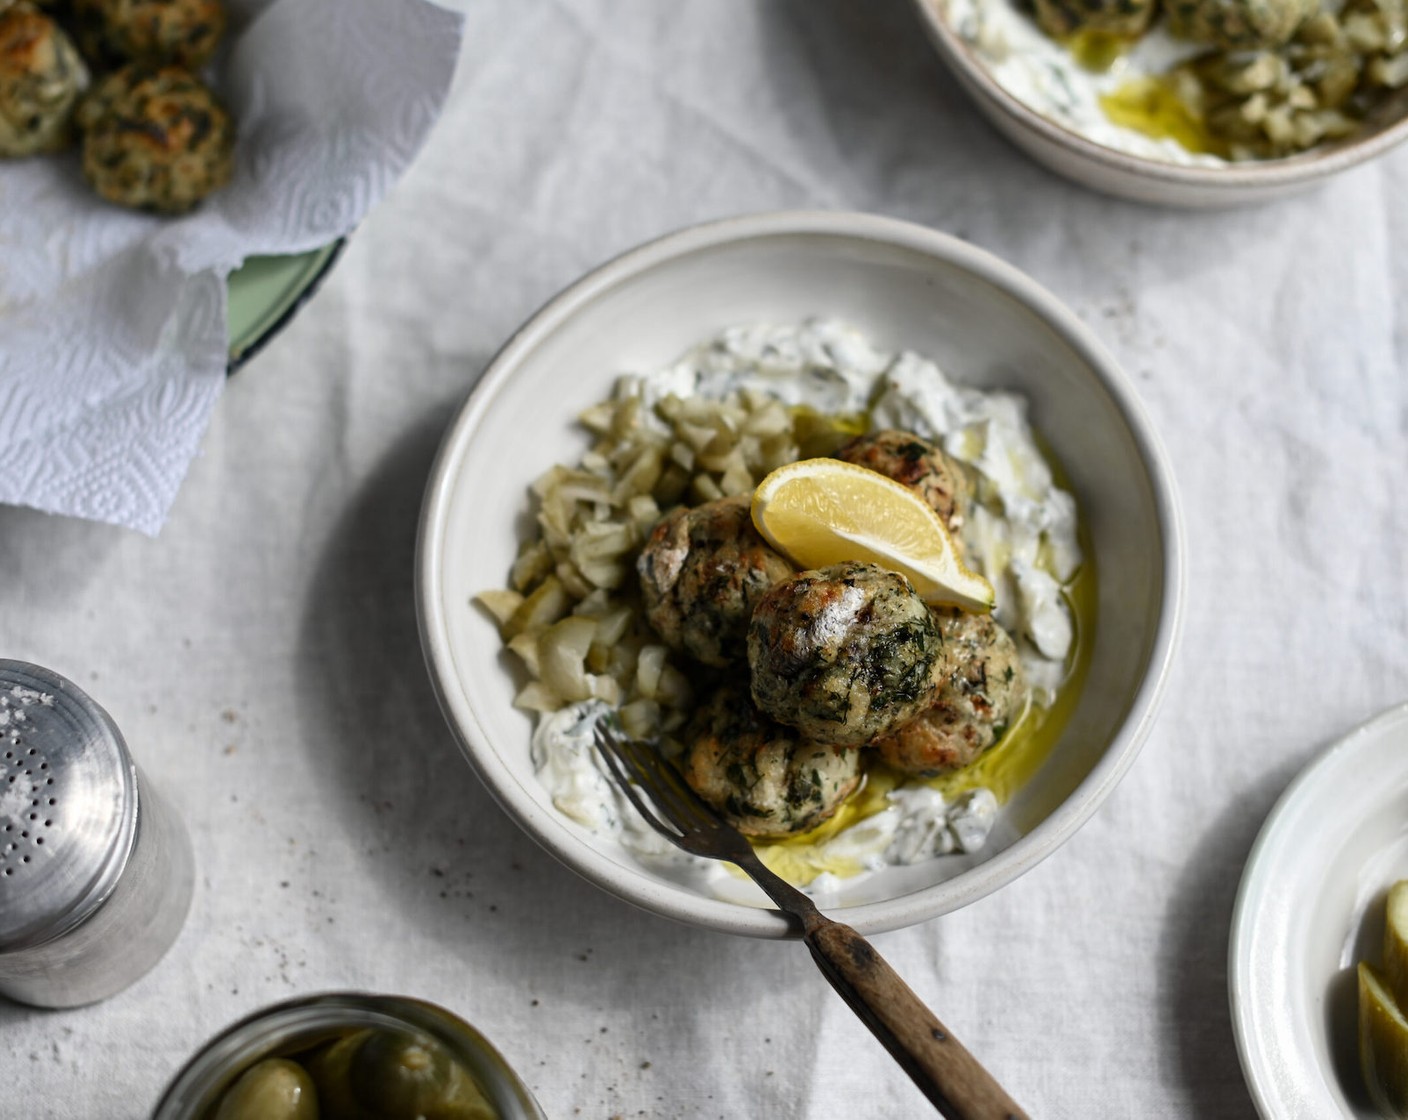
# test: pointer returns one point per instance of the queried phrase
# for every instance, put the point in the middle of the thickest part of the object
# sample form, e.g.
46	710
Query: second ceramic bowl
1111	171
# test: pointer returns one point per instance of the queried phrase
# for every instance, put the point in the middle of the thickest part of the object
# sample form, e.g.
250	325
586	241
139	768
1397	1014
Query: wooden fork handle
944	1070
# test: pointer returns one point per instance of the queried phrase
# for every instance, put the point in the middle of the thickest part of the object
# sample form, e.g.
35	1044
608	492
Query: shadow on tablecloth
447	858
1197	930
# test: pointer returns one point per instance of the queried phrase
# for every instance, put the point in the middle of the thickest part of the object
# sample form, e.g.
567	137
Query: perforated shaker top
68	805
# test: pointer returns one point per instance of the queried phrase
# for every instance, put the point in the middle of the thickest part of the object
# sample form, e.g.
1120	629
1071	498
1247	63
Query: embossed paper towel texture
113	332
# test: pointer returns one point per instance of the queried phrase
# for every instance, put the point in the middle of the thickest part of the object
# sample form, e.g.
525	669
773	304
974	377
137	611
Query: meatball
765	778
1124	18
155	139
844	653
701	572
153	32
1238	24
918	464
983	690
42	78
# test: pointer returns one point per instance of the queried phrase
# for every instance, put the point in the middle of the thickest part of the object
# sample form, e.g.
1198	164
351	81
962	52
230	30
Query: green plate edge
266	292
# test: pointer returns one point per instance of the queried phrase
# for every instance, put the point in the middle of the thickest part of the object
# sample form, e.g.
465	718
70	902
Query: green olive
462	1100
274	1089
397	1074
331	1068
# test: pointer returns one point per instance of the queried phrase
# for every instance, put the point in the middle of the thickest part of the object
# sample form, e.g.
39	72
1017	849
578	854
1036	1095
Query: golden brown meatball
843	654
42	78
153	32
918	464
765	778
1125	18
701	573
1238	24
982	693
155	140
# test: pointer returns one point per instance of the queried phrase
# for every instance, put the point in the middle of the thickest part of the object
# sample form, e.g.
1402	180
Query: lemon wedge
1383	1043
818	512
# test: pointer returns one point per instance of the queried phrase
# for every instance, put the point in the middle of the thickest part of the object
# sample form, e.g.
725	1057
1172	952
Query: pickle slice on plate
1396	942
1383	1043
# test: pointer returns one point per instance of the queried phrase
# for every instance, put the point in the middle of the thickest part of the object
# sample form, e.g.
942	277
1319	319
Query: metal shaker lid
68	805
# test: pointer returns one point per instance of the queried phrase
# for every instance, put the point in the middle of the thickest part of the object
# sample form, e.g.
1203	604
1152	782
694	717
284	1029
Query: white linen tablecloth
262	659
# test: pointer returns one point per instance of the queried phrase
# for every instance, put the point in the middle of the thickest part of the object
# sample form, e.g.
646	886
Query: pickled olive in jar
356	1056
274	1089
462	1100
398	1074
331	1069
370	1074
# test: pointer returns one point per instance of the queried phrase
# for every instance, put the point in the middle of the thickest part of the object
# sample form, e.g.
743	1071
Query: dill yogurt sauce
1022	533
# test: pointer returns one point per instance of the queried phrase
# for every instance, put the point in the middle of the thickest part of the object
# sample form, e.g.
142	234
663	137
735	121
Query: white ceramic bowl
1143	179
906	287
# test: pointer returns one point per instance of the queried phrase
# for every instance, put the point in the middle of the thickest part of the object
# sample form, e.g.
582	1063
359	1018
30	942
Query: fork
938	1063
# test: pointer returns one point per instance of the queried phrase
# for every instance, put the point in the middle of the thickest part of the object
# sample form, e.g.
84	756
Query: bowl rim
549	829
1302	168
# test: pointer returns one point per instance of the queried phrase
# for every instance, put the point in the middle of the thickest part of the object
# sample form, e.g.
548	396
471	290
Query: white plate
905	287
1309	908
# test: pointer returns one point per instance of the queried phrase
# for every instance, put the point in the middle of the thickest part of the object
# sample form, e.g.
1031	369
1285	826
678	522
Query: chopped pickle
1254	80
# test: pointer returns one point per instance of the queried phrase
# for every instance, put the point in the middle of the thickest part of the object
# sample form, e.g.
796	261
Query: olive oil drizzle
1153	107
1004	768
1008	764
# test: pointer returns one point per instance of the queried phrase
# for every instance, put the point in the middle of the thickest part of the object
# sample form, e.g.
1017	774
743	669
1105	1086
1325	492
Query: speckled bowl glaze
1113	172
904	286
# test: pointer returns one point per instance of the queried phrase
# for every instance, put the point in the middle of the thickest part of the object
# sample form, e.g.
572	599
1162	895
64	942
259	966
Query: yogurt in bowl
1019	528
1038	95
904	288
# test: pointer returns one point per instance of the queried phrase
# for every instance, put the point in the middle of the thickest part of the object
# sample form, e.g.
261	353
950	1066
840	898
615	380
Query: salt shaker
96	870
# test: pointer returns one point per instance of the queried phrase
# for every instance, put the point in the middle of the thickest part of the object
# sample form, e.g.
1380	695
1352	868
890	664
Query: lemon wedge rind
818	512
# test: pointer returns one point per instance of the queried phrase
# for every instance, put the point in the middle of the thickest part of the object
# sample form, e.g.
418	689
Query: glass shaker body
96	870
300	1025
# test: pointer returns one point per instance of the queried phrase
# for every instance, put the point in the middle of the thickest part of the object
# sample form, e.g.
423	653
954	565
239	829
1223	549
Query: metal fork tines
952	1079
659	793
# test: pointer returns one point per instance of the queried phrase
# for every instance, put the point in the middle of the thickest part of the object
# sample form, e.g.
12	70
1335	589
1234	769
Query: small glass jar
300	1025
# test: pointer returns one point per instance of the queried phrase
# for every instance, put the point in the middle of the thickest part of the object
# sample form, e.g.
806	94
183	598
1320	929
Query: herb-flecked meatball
153	32
844	653
701	572
42	78
1124	18
1238	24
918	464
765	778
983	690
155	139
